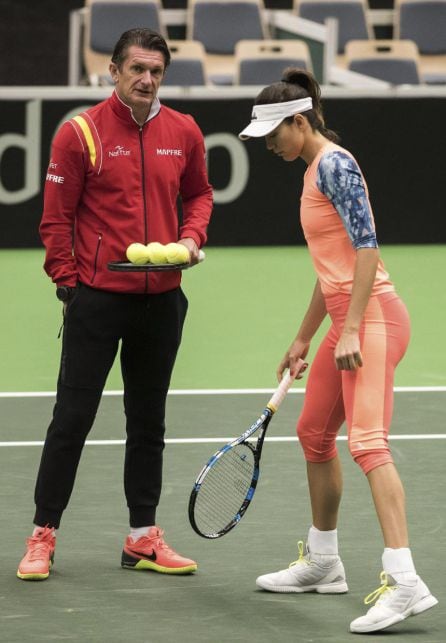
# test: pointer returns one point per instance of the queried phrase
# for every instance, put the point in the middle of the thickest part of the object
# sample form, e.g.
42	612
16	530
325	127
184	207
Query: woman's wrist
350	330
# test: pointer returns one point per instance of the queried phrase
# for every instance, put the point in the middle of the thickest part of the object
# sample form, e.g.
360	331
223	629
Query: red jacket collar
122	110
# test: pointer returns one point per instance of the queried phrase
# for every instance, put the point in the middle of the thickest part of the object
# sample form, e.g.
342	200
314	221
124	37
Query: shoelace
378	593
38	548
158	541
301	559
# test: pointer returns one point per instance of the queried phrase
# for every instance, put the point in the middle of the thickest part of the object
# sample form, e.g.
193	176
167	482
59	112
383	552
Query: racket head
225	486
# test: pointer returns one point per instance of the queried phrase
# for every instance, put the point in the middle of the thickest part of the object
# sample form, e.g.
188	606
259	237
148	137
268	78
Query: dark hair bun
296	76
304	79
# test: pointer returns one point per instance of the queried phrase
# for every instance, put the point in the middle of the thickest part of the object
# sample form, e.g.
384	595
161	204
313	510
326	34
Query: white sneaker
325	575
395	603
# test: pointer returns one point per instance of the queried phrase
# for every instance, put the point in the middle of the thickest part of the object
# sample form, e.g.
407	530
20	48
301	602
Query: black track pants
149	328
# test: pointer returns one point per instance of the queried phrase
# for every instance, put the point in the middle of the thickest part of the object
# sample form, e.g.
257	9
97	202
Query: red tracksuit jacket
110	183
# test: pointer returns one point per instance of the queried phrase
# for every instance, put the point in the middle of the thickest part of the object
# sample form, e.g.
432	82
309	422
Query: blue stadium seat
219	25
395	61
351	16
187	66
261	62
424	22
104	24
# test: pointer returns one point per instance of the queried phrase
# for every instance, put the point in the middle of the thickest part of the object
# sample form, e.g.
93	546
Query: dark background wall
391	138
34	41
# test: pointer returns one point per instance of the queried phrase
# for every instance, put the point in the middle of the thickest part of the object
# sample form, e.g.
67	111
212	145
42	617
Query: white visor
265	118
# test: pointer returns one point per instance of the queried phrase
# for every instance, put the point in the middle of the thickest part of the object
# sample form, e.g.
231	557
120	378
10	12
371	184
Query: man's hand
192	247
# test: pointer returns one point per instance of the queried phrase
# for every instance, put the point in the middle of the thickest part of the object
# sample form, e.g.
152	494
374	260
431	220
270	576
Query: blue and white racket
225	486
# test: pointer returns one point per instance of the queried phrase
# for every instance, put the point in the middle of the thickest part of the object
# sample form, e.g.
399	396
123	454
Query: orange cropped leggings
364	398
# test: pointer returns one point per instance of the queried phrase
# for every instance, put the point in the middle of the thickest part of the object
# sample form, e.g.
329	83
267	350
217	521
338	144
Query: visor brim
256	129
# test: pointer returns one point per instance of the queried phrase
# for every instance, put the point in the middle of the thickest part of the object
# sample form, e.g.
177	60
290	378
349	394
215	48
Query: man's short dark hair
144	38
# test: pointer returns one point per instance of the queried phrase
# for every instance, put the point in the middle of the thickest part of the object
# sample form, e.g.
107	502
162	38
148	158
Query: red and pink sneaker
152	552
39	557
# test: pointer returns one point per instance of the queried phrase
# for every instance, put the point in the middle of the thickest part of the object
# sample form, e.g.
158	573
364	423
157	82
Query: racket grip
282	389
201	255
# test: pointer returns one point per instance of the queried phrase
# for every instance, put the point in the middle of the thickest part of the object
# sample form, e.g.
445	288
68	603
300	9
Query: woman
352	374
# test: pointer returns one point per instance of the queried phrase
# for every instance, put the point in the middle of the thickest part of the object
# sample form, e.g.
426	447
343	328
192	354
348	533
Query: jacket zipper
95	265
146	232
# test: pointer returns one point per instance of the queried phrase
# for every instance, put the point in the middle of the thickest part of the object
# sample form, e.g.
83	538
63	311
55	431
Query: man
114	177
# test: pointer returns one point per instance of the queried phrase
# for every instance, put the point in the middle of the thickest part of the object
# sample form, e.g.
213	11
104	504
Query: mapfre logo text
161	151
54	178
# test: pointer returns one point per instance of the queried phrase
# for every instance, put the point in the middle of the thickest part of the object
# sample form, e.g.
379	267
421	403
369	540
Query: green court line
245	306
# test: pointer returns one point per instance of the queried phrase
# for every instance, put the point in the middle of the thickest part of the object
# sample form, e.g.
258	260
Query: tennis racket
225	486
127	266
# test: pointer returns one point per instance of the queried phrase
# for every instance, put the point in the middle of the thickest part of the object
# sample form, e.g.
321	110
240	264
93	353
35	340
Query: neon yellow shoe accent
34	575
382	589
302	558
147	564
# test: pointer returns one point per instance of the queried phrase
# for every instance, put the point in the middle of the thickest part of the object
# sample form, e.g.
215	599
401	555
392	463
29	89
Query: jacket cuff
186	234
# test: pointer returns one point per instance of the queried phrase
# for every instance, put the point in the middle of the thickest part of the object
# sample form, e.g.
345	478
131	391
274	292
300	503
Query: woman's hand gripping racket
225	486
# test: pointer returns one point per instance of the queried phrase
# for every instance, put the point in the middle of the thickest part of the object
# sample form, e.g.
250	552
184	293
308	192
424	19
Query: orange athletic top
337	220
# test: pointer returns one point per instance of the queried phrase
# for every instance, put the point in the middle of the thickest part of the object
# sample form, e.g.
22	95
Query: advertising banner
395	141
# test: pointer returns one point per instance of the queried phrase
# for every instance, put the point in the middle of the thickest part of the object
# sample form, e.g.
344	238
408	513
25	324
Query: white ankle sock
399	564
323	542
138	532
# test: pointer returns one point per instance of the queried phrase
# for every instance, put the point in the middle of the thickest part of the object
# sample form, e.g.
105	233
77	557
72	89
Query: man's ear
113	69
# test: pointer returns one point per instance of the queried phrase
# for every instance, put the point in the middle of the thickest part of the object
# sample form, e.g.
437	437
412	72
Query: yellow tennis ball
156	252
137	253
177	253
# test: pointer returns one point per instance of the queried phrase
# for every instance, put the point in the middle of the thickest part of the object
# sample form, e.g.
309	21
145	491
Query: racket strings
224	489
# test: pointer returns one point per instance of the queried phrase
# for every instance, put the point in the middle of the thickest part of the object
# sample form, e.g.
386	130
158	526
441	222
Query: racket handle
201	256
282	389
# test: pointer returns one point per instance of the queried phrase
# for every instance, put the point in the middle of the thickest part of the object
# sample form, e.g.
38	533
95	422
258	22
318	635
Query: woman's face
286	141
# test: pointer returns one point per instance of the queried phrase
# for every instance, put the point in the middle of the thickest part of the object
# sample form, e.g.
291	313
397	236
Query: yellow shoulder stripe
88	137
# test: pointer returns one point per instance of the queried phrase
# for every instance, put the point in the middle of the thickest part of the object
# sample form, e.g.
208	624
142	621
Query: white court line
341	438
221	391
398	389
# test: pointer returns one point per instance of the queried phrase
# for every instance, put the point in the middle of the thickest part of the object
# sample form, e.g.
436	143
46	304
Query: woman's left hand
348	352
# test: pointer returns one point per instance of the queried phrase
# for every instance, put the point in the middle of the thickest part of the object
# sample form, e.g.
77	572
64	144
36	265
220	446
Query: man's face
138	79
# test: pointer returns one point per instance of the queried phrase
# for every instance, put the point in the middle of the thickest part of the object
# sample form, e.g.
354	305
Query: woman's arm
341	180
314	317
348	353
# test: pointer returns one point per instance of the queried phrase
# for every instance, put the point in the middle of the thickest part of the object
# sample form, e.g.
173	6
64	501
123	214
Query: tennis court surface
88	597
230	346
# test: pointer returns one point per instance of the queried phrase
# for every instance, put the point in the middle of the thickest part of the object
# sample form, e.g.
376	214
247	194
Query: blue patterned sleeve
340	179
